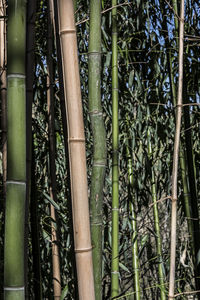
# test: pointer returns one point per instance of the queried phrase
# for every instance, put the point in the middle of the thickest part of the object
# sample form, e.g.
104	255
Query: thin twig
104	11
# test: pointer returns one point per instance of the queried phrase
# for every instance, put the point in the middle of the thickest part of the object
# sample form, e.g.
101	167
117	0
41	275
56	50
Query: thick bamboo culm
115	171
3	88
52	157
176	156
77	154
99	142
16	153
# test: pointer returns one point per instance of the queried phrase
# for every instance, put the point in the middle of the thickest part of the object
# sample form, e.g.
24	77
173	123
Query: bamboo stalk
52	156
183	162
176	156
99	142
156	219
115	171
135	261
77	154
16	153
65	133
3	62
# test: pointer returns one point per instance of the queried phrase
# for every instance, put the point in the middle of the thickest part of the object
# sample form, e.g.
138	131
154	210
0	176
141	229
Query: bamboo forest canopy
145	37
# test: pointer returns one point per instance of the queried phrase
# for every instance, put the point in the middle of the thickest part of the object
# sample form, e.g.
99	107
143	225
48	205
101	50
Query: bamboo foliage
52	156
16	153
77	154
115	171
99	138
176	156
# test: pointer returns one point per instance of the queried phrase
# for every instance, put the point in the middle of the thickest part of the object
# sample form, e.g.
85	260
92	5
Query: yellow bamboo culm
77	155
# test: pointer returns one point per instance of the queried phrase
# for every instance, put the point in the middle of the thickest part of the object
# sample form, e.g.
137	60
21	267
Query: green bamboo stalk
16	159
156	219
99	143
115	171
135	261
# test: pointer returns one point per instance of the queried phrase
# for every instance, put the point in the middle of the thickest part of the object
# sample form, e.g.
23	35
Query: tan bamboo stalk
77	155
52	152
3	88
176	156
53	4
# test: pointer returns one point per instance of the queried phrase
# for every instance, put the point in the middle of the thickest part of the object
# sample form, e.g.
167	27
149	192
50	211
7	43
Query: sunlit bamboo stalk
16	153
99	142
77	153
115	171
176	156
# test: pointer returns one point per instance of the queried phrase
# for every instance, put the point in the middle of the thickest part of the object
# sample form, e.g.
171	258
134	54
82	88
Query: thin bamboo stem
176	156
99	143
77	153
156	219
135	261
183	163
52	156
16	153
115	167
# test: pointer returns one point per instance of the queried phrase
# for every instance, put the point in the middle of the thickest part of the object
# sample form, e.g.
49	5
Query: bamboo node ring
67	31
115	272
83	250
19	288
75	140
174	199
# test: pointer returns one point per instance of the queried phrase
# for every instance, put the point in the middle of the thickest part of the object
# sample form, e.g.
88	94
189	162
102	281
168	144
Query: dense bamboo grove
116	92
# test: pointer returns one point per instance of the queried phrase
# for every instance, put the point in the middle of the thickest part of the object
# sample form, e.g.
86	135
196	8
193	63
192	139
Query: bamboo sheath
79	187
16	153
52	156
176	156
